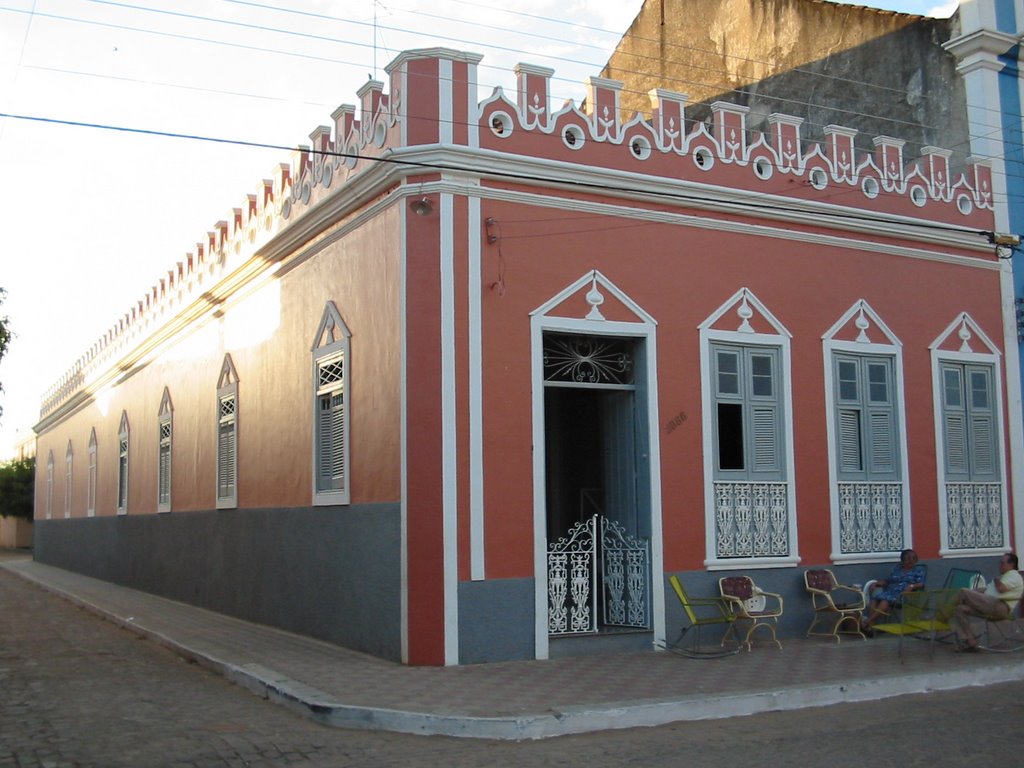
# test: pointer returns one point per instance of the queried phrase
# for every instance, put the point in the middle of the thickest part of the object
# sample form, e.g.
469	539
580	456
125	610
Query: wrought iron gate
597	547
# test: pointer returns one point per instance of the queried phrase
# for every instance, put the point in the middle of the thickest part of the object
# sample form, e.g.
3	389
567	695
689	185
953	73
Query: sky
91	217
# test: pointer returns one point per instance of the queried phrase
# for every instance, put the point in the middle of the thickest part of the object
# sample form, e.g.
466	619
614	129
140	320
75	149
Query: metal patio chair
922	615
1003	635
702	612
751	604
837	607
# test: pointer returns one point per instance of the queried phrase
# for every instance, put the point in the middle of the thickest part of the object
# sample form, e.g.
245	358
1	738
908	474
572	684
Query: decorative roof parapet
726	155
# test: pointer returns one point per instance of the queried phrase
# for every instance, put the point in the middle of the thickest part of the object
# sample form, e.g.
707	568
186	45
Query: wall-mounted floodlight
421	207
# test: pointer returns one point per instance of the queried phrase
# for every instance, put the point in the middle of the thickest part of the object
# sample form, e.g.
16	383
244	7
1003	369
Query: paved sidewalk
530	699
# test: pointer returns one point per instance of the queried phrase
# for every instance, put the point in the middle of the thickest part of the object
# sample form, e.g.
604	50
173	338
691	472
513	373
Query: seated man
998	601
905	577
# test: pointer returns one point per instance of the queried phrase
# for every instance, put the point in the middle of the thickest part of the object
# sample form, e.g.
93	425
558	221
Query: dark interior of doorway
574	436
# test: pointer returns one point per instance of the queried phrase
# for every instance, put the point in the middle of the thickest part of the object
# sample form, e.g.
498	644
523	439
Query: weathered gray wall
328	572
879	72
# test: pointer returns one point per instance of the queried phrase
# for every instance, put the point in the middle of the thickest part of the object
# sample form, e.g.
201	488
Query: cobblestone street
78	691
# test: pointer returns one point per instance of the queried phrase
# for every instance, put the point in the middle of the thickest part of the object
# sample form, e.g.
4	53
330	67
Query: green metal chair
702	612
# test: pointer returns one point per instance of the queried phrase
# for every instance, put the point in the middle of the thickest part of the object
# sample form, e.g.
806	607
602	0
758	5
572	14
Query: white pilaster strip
449	457
476	411
403	428
444	92
1014	409
540	557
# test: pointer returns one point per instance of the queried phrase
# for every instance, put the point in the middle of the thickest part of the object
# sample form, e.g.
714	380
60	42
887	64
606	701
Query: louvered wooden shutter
765	437
122	476
849	441
165	473
982	442
331	442
226	460
882	444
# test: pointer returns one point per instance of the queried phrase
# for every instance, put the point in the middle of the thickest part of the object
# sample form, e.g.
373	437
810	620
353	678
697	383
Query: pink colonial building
467	381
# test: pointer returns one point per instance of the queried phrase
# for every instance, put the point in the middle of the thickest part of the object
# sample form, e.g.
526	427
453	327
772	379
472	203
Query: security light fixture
421	207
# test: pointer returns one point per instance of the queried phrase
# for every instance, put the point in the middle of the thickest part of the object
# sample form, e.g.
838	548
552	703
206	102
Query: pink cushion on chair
738	586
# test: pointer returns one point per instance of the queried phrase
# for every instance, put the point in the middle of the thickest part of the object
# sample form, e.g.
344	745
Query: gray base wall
789	582
496	620
328	572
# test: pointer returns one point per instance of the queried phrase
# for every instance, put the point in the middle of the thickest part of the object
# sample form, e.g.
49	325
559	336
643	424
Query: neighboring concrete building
470	380
878	72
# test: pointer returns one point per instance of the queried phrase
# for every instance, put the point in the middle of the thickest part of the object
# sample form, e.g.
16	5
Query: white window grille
90	499
69	463
123	438
227	436
163	503
331	364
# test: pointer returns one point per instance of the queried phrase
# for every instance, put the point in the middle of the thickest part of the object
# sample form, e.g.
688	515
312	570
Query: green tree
17	487
5	338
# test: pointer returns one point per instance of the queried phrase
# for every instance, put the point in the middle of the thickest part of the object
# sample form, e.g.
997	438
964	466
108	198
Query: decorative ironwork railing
751	519
974	515
870	517
574	561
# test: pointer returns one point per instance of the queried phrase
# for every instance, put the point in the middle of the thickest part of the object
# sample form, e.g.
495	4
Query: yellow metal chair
837	607
751	604
923	614
702	612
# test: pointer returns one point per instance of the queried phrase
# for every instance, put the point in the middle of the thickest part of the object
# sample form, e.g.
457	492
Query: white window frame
750	403
49	485
744	306
227	423
331	345
866	408
90	498
123	463
862	318
972	338
69	474
165	454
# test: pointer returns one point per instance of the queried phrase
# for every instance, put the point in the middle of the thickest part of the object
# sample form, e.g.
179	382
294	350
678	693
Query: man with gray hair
997	602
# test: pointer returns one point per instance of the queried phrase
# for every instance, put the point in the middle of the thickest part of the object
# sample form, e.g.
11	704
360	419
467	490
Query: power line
123	5
330	39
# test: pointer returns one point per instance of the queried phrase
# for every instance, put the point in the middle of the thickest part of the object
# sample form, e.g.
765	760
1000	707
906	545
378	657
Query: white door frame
593	324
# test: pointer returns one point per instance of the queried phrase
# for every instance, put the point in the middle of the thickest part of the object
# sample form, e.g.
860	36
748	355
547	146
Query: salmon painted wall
424	499
681	275
269	336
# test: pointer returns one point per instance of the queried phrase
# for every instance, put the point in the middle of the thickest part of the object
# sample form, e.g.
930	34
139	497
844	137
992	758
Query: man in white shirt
997	602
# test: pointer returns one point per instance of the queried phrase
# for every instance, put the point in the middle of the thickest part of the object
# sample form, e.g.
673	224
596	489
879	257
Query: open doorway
597	521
